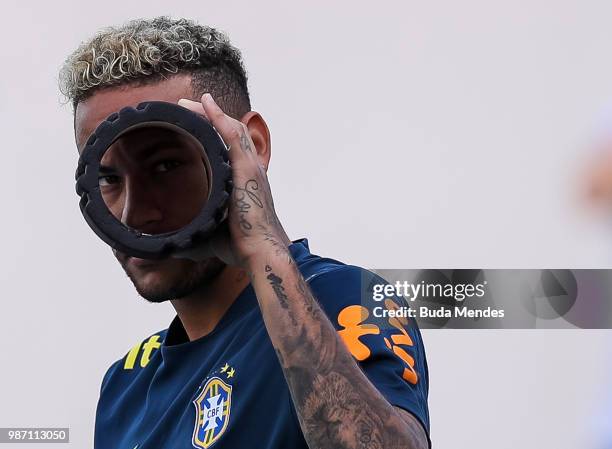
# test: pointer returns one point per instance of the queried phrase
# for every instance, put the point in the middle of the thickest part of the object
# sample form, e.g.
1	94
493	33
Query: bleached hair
149	50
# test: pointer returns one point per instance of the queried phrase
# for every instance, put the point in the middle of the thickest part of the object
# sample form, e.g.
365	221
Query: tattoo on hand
246	197
244	141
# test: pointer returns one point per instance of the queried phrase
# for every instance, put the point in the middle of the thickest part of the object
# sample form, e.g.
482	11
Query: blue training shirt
227	389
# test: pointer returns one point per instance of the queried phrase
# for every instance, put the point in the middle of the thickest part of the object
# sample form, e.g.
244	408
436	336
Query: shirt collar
176	333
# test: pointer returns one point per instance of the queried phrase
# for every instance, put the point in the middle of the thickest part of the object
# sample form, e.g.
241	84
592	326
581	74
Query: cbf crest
213	406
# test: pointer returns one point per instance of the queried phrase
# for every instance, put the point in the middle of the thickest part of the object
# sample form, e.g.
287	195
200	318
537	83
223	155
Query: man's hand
253	224
337	405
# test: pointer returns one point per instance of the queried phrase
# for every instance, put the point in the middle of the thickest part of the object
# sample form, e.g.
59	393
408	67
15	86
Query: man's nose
141	210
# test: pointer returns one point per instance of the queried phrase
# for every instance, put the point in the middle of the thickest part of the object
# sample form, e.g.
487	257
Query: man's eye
108	180
165	166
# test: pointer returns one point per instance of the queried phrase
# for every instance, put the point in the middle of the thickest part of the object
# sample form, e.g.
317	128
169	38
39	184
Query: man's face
153	180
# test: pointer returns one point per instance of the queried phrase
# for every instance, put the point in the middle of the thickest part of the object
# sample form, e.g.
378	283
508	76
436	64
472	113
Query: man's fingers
221	122
193	106
234	133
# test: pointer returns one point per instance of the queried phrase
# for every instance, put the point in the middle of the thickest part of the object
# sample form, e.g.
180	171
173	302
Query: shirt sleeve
390	351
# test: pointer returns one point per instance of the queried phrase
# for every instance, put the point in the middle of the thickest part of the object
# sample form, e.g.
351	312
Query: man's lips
136	262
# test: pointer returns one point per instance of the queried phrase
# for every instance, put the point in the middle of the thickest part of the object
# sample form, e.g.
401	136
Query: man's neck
201	311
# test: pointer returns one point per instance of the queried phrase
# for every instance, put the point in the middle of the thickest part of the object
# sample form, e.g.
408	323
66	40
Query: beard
172	278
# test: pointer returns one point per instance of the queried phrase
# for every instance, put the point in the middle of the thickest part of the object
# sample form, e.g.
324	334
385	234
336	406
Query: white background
405	135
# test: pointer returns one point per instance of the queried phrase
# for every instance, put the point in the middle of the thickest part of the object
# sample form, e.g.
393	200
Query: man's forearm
338	407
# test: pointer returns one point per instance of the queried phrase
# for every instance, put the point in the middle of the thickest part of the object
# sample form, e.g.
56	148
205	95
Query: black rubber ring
130	241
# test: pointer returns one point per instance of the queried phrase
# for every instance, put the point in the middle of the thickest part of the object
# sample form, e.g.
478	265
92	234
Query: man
271	347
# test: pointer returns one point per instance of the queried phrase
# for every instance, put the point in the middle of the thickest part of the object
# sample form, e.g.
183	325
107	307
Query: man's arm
338	407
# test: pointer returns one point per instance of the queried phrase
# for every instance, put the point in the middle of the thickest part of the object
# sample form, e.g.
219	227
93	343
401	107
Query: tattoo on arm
279	248
337	405
279	290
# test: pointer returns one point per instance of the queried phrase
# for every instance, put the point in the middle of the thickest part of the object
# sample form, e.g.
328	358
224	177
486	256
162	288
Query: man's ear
260	134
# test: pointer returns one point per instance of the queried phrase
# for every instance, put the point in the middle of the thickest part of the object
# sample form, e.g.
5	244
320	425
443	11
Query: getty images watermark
489	299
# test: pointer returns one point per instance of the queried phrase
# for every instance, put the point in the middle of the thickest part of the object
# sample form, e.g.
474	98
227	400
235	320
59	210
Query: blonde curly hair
149	50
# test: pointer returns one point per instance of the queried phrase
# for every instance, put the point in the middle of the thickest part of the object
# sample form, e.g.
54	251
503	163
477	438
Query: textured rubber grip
131	241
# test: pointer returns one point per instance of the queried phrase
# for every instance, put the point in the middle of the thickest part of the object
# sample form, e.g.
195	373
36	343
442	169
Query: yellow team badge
213	406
